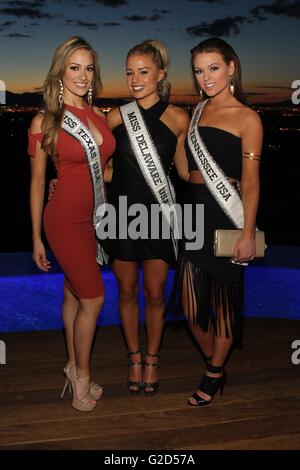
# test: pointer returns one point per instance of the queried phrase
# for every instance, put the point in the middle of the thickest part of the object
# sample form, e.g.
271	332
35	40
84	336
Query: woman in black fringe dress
211	288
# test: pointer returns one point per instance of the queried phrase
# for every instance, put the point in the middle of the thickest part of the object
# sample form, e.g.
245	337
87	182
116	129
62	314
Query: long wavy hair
229	55
159	53
53	113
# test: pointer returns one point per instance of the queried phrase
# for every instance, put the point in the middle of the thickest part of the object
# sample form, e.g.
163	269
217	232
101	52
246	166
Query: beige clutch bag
225	240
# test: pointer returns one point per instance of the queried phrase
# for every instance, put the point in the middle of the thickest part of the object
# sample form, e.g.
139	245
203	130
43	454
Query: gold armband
251	156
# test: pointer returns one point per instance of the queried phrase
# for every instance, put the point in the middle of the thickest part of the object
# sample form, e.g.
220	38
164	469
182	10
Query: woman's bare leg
84	331
69	312
155	274
126	273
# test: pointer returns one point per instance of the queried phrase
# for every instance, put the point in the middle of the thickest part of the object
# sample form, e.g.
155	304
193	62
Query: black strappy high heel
210	386
152	385
134	386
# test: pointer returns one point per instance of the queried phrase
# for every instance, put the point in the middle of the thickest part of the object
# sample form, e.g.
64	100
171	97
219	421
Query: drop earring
61	93
201	94
231	86
90	95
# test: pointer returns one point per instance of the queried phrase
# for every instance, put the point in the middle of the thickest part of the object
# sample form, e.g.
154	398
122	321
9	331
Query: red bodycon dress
68	215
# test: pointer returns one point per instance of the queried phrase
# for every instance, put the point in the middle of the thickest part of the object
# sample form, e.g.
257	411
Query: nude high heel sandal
85	402
67	384
96	391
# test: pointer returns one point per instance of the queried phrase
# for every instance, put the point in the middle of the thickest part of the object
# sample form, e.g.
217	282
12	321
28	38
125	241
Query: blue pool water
31	300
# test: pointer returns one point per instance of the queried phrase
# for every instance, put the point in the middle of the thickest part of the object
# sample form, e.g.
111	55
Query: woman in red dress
73	79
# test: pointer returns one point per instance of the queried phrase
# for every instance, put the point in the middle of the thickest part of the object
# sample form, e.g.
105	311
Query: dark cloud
155	17
228	26
278	8
71	3
136	18
20	12
111	24
87	3
164	12
25	4
17	35
82	24
86	24
112	3
107	3
208	1
7	23
30	25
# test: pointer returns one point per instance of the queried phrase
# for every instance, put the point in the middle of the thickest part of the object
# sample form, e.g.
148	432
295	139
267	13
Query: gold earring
61	93
90	95
231	86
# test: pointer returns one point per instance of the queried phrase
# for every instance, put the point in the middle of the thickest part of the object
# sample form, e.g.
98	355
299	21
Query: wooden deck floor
260	408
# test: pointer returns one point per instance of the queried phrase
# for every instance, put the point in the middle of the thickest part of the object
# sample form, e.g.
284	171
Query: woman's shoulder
37	123
114	118
249	117
98	112
179	115
177	112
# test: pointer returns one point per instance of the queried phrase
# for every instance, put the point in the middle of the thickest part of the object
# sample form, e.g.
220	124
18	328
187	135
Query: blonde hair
53	112
159	53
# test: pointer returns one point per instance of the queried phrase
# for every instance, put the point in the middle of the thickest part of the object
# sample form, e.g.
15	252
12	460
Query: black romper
128	181
214	285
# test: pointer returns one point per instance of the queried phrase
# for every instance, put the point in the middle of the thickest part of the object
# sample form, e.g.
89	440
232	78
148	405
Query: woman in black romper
146	69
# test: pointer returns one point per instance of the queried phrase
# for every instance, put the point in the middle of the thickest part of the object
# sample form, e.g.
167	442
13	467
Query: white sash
74	126
222	190
149	162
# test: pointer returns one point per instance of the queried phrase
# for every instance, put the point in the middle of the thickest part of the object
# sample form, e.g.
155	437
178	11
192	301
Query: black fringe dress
214	286
129	181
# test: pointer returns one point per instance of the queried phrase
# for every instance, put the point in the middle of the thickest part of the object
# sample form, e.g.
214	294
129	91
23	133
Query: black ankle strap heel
209	386
214	369
151	386
134	386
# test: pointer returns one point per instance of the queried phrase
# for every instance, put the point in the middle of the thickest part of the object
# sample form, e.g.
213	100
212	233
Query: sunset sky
265	34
